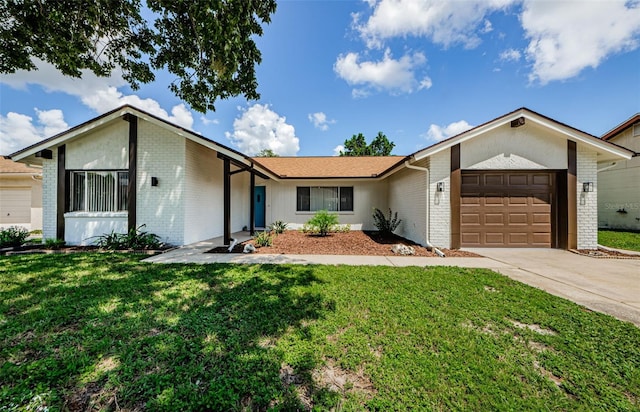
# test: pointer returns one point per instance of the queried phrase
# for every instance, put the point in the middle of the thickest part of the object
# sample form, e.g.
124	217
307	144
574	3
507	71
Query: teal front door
259	202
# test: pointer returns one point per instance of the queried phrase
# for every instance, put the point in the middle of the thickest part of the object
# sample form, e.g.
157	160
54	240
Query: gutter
424	169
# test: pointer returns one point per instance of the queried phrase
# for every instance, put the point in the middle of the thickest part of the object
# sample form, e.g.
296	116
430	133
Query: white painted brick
440	204
587	204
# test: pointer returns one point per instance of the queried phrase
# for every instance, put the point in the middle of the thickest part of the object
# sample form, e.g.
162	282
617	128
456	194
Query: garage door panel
506	209
518	218
15	205
494	219
470	219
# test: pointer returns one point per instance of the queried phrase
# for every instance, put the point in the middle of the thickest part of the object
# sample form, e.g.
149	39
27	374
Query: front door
259	201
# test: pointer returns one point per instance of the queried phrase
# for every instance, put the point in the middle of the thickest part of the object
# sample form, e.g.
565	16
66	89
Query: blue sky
419	71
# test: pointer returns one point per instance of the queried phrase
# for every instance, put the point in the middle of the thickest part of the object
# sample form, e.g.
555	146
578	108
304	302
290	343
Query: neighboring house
516	181
619	181
20	195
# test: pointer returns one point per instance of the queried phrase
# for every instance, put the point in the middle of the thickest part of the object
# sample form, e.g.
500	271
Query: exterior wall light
154	181
587	187
440	187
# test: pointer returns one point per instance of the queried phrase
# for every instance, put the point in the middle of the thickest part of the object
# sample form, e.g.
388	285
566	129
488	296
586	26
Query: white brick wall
161	154
408	197
587	213
49	195
104	148
440	166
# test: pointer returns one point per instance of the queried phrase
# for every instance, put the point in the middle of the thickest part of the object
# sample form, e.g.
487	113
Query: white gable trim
601	147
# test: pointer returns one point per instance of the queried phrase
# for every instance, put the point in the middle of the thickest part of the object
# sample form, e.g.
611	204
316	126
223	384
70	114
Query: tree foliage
357	146
208	45
267	153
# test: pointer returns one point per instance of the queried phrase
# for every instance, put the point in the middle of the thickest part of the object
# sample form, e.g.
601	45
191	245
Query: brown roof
329	166
622	126
9	166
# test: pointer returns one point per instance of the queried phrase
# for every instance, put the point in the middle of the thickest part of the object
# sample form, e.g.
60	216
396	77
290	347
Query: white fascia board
602	147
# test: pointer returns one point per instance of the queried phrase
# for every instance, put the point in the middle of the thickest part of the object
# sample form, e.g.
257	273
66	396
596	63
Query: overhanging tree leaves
357	146
208	45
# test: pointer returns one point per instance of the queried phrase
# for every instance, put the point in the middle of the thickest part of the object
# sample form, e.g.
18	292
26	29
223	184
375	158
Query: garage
15	206
507	208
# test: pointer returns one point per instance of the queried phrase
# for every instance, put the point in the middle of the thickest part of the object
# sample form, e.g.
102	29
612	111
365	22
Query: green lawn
619	240
105	331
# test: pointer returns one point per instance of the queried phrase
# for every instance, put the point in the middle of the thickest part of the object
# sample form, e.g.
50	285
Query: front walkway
610	286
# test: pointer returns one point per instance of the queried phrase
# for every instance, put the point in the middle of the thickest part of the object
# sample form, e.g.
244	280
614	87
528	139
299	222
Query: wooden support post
227	201
252	203
63	192
133	171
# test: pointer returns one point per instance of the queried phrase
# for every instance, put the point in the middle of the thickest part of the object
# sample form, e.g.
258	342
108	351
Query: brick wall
587	202
407	196
440	223
49	196
161	154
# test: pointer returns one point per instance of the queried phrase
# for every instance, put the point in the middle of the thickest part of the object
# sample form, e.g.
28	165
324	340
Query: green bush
134	239
13	236
278	227
53	244
323	222
264	239
386	225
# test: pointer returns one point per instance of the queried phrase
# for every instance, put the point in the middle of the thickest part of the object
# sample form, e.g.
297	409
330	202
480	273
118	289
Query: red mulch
355	242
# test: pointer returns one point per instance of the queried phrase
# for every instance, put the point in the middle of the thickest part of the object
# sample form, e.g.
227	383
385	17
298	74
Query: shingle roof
9	166
329	166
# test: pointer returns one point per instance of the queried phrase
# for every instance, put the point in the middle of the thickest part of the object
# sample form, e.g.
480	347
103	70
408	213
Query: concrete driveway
610	286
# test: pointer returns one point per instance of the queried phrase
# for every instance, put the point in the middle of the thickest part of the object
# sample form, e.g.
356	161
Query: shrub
385	225
54	244
13	236
323	222
278	227
264	239
134	239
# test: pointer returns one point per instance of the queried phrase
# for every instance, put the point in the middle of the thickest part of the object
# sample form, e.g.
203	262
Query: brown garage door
506	209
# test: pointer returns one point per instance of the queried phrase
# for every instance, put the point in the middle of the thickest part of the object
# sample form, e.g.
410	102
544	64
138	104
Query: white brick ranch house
520	180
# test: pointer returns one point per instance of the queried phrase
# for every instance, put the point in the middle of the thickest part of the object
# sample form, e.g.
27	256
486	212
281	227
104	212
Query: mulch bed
604	254
355	242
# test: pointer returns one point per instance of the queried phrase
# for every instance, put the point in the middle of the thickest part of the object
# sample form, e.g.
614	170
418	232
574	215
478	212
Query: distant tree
381	146
267	153
357	146
207	46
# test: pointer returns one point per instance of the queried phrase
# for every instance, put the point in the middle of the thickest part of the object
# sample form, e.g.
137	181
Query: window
98	191
333	199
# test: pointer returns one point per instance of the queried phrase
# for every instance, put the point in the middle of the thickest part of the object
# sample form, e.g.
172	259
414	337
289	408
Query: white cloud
445	22
567	37
320	121
338	149
260	128
18	131
98	93
207	122
512	55
394	76
438	133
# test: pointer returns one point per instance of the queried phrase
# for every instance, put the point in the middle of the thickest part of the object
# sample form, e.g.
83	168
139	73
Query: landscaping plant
278	227
134	239
264	239
386	225
323	222
53	244
13	236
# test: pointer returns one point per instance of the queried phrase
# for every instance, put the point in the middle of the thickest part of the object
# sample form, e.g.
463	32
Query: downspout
424	169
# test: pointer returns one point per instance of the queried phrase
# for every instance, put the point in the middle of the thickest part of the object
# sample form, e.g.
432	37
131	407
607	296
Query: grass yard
619	239
107	332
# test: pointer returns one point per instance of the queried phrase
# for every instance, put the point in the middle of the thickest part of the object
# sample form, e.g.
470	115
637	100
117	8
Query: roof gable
621	127
602	148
